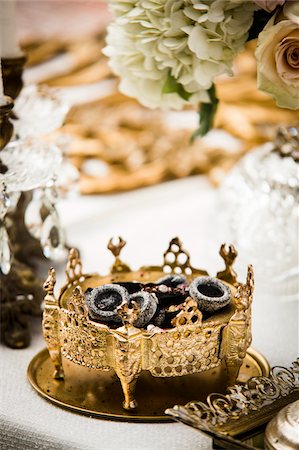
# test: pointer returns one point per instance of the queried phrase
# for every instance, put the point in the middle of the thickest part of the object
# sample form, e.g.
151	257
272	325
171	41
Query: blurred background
116	144
140	177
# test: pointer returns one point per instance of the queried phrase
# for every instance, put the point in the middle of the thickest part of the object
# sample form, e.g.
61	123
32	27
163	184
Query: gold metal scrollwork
77	303
74	266
190	314
118	266
177	259
229	254
127	313
49	285
50	324
243	401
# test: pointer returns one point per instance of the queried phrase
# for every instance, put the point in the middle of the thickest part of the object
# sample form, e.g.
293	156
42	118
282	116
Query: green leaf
172	86
183	93
207	113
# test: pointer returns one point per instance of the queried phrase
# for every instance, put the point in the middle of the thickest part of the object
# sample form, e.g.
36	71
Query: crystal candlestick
260	198
29	164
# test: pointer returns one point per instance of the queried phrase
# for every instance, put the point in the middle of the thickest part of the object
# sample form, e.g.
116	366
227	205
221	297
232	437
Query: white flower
168	52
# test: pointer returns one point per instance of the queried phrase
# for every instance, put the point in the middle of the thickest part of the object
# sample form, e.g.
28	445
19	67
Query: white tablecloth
147	219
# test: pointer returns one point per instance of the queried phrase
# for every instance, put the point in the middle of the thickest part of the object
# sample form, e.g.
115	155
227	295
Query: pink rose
269	5
277	55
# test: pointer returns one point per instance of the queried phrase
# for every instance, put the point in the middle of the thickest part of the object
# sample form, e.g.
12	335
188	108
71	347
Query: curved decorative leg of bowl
51	325
127	370
235	344
128	365
127	352
129	389
237	333
232	373
55	356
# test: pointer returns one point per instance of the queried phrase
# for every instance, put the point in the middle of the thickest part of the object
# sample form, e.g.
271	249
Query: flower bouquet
168	53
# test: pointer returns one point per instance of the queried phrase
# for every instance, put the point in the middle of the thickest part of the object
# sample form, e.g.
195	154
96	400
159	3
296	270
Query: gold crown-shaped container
192	345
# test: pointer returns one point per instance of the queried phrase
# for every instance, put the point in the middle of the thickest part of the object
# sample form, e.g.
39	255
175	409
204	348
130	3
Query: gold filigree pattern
50	323
193	345
83	344
190	314
76	303
81	340
255	401
187	350
74	266
177	260
127	313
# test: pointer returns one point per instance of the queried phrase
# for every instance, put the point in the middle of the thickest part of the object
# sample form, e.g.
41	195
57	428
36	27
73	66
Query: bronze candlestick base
21	290
21	294
26	248
24	245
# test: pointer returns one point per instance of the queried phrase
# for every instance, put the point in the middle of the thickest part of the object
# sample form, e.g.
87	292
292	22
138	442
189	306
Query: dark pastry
103	301
173	280
159	317
210	294
131	286
148	303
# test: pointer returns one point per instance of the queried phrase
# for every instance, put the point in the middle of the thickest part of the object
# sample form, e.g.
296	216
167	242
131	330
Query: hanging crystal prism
43	200
52	237
5	202
51	193
5	253
33	218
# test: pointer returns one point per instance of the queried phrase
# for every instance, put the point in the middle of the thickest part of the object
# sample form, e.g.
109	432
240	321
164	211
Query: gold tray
102	396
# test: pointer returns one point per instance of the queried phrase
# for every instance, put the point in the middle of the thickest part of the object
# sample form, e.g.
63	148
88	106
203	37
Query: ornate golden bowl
194	344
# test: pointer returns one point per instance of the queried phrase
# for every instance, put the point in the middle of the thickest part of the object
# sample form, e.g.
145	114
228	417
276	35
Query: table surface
147	219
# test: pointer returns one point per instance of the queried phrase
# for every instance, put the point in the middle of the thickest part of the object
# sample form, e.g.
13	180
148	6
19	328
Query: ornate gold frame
245	410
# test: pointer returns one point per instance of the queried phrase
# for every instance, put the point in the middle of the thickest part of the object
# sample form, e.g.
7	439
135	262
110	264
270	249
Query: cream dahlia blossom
168	52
